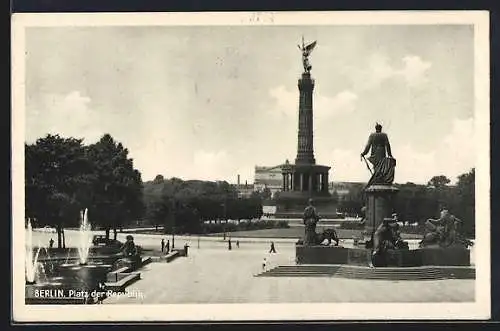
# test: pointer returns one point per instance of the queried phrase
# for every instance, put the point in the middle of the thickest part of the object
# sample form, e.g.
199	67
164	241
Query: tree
266	193
157	211
58	180
158	179
438	181
117	189
466	197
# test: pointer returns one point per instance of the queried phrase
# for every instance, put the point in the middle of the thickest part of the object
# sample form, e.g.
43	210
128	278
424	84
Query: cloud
347	166
217	165
211	164
457	153
64	114
413	70
453	156
286	103
342	103
379	70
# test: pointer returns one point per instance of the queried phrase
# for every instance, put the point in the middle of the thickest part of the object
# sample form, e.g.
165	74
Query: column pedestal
380	204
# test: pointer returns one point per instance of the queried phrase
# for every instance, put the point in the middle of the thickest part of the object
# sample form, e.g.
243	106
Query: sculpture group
440	233
383	238
311	238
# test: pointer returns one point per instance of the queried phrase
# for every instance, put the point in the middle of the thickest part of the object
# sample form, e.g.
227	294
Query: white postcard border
480	309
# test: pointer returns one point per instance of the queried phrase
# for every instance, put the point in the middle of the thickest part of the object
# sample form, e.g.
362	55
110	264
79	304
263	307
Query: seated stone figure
131	255
129	248
388	236
444	232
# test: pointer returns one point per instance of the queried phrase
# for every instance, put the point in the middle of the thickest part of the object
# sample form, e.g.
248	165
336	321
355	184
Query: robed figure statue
310	219
383	163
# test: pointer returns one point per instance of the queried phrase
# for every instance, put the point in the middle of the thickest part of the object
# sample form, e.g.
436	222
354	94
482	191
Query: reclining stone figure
444	232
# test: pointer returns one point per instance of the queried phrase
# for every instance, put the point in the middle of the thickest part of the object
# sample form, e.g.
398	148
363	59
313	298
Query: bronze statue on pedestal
383	163
310	219
312	238
306	51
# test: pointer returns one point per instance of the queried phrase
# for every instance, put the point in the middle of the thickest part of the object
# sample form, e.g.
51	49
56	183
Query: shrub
352	225
244	226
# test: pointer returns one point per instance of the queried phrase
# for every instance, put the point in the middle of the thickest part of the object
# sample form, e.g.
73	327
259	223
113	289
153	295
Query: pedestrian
264	264
162	245
238	243
229	244
186	249
168	246
51	243
272	250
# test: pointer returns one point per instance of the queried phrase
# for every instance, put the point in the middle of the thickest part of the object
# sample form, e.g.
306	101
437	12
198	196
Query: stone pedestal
379	205
321	254
393	258
456	256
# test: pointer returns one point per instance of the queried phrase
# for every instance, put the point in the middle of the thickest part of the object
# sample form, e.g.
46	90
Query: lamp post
225	217
173	237
173	223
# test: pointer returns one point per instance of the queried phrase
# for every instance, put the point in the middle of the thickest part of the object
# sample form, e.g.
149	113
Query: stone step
415	273
364	277
121	284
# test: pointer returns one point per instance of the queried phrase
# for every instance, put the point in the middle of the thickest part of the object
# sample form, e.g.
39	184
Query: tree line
184	206
64	176
417	203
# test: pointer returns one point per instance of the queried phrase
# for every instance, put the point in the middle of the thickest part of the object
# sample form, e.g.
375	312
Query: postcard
277	166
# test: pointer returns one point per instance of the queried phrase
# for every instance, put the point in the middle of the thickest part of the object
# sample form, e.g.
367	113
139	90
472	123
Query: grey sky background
213	102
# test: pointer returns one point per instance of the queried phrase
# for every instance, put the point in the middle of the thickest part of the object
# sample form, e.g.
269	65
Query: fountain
85	237
31	260
68	277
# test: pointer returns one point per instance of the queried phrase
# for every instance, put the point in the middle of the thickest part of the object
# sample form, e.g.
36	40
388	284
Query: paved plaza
213	274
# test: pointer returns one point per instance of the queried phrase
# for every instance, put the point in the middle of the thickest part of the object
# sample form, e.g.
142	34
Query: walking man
51	243
272	250
162	245
229	244
238	243
168	247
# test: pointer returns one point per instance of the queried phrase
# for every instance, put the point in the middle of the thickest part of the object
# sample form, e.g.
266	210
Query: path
215	275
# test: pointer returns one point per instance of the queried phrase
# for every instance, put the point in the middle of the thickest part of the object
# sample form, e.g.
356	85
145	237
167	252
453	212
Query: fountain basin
65	282
68	283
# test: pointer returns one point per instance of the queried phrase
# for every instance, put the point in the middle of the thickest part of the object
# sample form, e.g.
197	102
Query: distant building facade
244	190
268	177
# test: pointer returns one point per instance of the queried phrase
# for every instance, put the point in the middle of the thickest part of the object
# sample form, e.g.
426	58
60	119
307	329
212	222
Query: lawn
290	233
298	232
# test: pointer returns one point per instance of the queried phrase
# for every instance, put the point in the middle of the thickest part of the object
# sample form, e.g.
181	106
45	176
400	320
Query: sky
212	102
